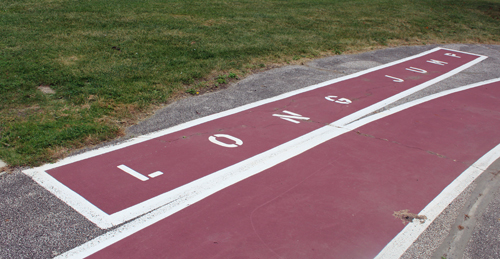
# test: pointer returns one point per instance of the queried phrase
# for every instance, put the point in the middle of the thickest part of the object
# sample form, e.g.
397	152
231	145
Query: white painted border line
228	176
173	197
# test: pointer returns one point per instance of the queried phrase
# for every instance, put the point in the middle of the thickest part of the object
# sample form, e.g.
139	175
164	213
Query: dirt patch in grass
46	89
68	61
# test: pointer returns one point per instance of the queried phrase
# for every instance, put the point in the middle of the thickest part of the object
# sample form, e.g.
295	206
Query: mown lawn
110	62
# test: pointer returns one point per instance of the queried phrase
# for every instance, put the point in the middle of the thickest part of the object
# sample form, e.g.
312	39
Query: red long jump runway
118	184
337	199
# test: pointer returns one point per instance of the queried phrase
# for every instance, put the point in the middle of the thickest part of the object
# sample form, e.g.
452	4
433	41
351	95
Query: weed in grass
221	79
191	91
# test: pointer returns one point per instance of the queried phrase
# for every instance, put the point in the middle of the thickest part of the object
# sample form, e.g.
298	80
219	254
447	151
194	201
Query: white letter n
291	117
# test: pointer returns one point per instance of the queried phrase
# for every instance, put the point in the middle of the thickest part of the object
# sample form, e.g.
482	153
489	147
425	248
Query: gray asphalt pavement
35	224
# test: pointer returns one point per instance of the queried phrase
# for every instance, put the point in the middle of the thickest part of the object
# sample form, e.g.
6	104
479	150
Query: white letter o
237	141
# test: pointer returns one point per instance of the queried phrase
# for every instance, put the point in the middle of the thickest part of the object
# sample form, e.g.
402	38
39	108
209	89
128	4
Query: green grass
112	61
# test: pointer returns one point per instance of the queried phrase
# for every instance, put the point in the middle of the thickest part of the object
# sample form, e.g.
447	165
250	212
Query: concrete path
117	184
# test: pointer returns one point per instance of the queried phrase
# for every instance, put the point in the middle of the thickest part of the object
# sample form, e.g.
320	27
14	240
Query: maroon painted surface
187	155
337	199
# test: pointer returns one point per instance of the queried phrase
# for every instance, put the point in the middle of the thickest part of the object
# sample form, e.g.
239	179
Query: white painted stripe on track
240	171
254	164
